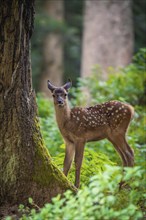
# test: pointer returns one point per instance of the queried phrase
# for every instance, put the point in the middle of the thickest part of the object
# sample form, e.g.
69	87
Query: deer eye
65	95
53	95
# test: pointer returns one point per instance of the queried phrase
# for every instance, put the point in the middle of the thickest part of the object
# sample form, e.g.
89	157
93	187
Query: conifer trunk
108	35
26	169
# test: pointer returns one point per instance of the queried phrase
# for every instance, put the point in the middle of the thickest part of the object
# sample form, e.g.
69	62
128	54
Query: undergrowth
101	199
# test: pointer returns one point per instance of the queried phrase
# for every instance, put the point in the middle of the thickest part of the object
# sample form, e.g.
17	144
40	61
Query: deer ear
50	86
67	85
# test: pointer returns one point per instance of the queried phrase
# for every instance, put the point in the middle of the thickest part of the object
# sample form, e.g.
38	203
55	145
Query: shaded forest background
61	46
62	24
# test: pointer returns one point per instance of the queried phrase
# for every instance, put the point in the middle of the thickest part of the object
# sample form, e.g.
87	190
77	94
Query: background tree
26	169
53	47
107	35
72	30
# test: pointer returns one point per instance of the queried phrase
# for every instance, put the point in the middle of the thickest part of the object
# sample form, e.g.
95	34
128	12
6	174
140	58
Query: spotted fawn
79	125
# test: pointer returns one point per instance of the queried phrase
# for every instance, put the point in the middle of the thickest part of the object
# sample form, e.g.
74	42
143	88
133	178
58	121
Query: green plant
102	199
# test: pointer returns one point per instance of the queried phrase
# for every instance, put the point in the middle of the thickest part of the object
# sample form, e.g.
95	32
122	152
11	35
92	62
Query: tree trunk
26	169
108	35
53	48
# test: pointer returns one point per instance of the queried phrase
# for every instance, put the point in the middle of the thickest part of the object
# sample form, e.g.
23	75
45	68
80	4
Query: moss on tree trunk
26	169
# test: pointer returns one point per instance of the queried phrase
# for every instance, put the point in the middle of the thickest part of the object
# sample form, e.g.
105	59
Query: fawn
80	125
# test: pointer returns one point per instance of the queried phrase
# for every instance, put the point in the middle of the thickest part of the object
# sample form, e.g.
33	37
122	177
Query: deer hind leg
69	155
125	151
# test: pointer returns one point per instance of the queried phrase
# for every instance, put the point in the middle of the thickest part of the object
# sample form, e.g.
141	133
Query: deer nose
60	100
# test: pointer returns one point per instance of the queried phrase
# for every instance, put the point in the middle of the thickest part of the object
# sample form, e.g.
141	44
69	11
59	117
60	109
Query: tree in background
26	169
72	30
53	47
107	35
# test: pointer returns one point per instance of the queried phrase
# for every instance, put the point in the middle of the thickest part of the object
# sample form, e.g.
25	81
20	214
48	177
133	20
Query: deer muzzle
60	101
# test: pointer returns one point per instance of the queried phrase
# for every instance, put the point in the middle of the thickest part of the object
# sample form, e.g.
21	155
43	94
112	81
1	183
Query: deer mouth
60	104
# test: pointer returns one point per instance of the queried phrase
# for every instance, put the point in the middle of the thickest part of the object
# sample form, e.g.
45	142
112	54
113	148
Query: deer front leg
69	155
79	151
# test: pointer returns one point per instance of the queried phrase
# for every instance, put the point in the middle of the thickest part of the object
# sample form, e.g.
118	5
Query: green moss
9	176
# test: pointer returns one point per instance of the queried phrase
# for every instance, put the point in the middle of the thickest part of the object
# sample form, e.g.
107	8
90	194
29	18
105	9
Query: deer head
59	93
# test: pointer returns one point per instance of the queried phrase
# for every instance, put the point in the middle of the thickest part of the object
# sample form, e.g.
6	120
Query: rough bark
26	169
53	48
108	35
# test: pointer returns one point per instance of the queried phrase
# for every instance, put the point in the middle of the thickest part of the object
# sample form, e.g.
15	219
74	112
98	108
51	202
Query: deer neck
62	115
